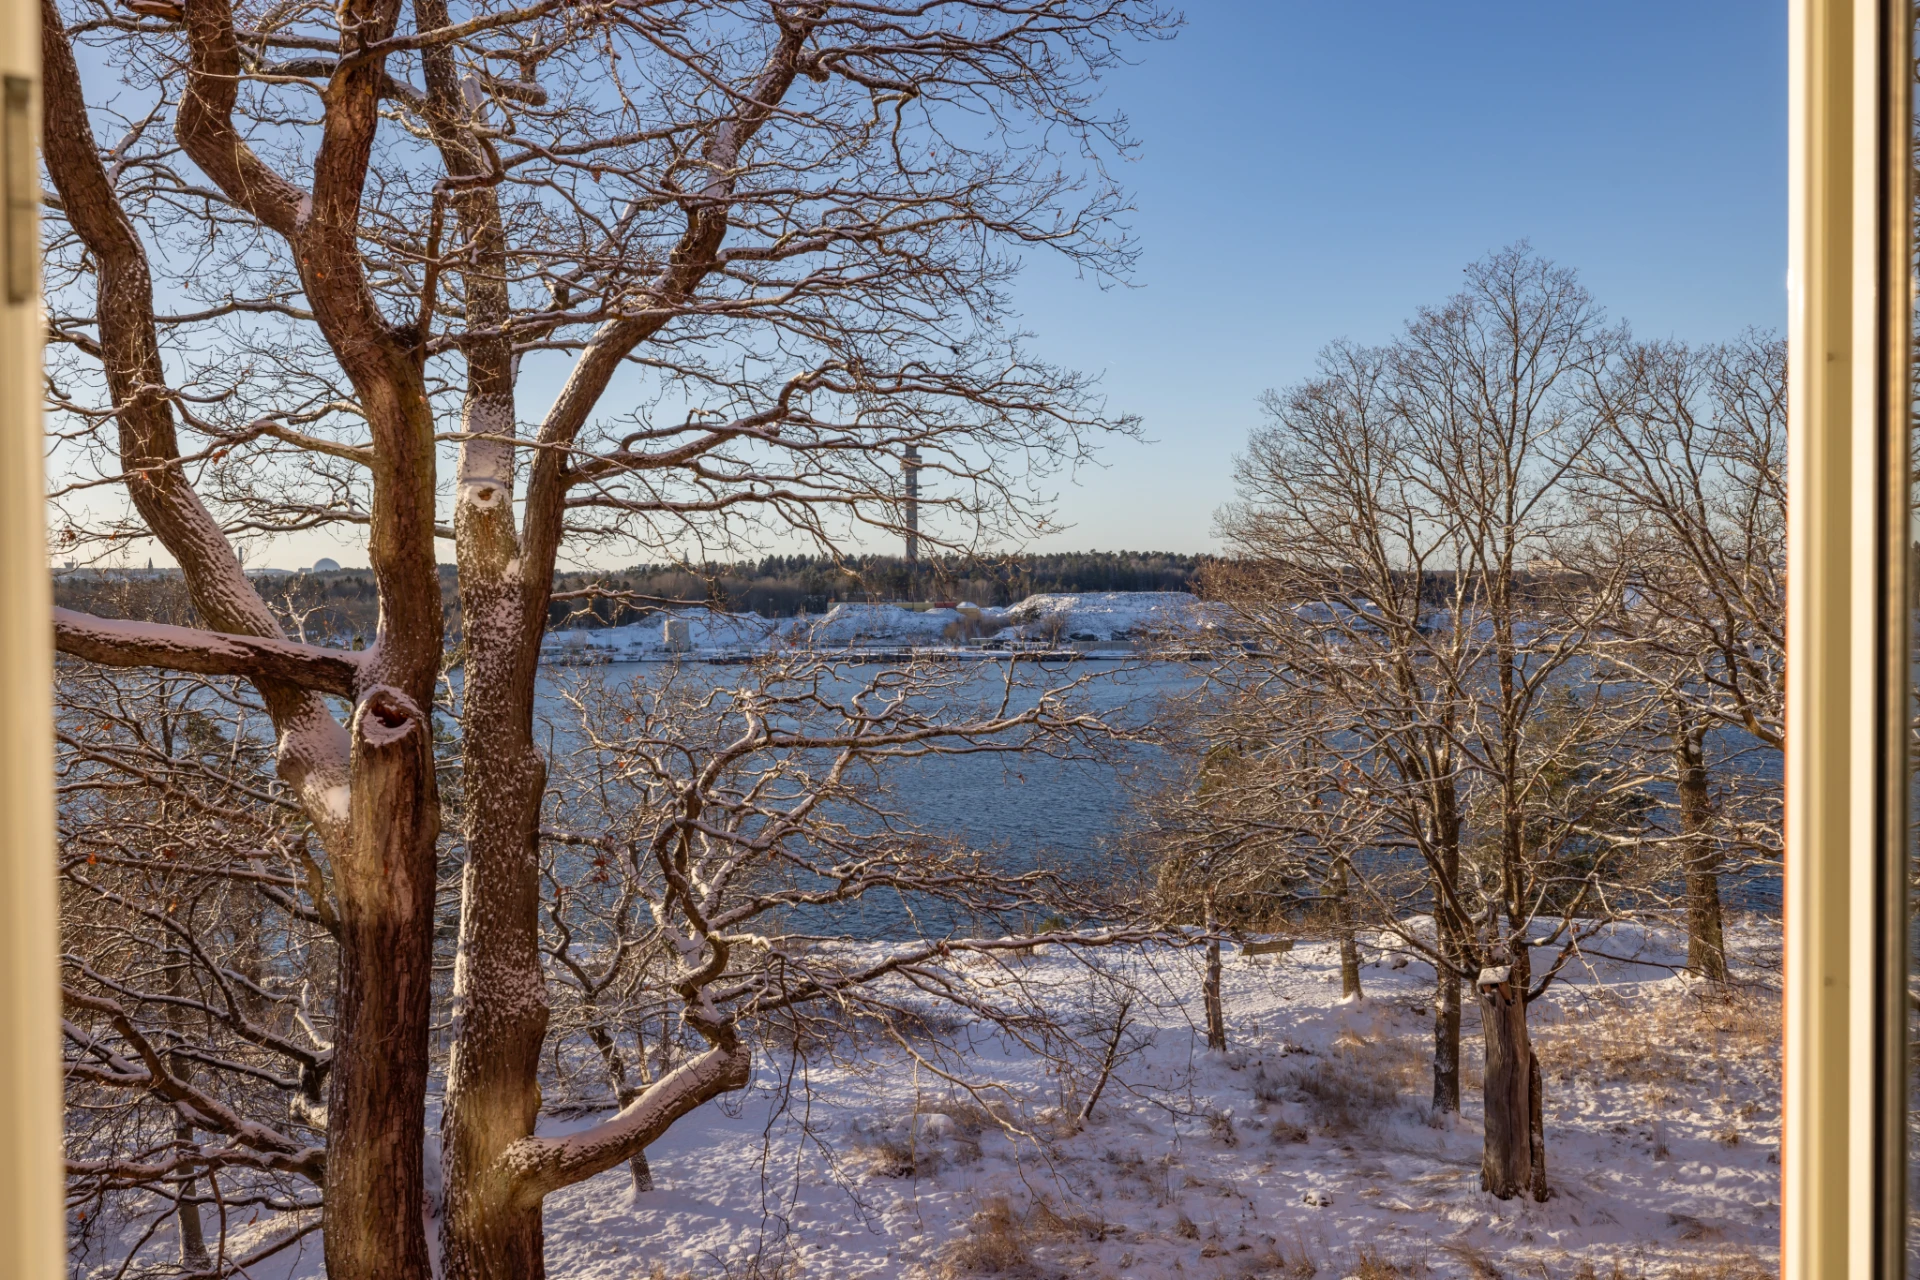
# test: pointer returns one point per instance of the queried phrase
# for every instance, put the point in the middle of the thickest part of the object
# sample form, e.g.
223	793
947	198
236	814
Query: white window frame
1843	1137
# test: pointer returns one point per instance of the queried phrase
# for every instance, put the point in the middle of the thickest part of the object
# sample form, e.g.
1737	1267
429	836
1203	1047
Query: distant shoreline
1049	627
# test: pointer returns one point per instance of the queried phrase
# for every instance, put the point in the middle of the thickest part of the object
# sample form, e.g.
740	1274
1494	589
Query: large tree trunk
1706	938
499	988
369	793
1513	1158
1506	1163
490	1229
376	1107
493	1093
493	1096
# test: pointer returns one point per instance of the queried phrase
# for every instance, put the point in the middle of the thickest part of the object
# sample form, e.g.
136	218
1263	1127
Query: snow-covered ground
1306	1149
1091	620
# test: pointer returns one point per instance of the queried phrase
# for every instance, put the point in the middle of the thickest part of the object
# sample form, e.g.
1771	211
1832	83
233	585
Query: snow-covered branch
539	1166
116	642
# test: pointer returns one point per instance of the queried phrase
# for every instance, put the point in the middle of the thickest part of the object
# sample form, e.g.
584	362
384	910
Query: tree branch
117	643
541	1166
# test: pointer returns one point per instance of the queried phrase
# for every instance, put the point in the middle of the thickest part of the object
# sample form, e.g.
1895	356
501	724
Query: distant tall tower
910	472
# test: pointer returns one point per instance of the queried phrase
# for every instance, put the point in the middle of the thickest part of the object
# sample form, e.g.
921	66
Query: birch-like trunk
1349	968
1216	1013
625	1094
193	1240
1446	1035
1537	1129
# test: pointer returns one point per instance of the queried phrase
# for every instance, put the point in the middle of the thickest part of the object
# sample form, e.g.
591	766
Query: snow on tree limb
540	1166
118	643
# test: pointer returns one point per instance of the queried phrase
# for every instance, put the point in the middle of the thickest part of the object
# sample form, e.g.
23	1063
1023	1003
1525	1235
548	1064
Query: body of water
1030	810
1038	811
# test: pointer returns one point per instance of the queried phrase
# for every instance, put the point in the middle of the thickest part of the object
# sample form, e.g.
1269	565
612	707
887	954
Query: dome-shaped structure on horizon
325	565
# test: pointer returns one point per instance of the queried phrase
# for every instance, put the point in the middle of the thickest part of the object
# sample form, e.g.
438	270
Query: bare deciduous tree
198	963
1494	387
1237	843
751	254
1686	495
704	846
1343	584
1396	540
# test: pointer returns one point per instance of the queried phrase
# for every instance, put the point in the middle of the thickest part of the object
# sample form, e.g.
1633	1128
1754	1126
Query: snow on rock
934	1125
1107	615
855	624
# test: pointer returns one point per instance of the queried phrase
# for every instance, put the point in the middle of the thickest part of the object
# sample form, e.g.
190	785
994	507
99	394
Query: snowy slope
1662	1147
1307	1144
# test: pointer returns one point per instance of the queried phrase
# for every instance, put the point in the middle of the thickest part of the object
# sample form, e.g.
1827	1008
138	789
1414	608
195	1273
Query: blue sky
1316	169
1311	171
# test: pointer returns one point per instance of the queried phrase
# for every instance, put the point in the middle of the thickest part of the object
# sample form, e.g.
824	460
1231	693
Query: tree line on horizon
343	605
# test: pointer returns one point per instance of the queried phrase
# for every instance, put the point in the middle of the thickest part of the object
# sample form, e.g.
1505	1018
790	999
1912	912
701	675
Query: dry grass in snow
1307	1150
